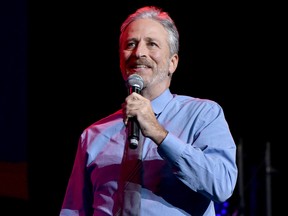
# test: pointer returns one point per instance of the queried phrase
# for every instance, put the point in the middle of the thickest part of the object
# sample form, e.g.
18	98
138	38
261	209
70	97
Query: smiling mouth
140	66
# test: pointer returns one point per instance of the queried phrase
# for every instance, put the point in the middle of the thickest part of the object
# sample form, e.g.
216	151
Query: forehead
146	28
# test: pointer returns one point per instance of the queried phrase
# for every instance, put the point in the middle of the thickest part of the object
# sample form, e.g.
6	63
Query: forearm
209	171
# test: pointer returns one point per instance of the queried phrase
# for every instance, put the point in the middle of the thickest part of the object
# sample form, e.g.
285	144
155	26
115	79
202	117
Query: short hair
157	14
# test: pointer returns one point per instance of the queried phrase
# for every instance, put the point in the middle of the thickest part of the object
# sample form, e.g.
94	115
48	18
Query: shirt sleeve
78	197
207	164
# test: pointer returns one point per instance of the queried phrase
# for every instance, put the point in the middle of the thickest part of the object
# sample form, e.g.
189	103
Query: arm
78	197
207	164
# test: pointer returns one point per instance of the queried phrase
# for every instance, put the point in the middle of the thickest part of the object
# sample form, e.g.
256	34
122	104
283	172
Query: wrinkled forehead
144	28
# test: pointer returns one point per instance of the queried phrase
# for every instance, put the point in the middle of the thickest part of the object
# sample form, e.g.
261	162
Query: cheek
124	55
161	63
158	57
123	70
123	60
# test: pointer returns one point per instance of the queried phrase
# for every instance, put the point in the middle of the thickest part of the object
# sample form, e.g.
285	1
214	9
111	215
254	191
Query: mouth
139	64
138	68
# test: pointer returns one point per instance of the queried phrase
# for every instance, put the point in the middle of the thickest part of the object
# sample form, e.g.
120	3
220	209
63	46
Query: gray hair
157	14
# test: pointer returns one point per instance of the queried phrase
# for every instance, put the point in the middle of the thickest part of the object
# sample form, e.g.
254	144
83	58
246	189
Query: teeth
141	66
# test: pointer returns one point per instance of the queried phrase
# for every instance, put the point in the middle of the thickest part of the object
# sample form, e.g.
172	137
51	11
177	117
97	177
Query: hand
136	105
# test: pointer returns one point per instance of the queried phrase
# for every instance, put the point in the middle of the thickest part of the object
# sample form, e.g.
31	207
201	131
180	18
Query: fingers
126	120
131	106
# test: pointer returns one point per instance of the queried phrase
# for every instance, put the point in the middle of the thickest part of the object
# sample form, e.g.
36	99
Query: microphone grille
136	81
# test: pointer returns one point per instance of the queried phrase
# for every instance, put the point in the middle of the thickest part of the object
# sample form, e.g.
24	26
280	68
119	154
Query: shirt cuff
171	148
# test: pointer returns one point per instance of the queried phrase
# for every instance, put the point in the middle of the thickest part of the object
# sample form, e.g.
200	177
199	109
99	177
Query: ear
173	64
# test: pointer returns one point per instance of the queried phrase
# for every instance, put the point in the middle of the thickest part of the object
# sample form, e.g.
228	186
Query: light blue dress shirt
194	166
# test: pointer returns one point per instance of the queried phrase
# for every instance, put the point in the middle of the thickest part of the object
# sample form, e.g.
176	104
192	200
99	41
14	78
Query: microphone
135	84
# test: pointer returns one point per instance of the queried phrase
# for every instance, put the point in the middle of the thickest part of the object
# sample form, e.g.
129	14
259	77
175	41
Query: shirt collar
161	101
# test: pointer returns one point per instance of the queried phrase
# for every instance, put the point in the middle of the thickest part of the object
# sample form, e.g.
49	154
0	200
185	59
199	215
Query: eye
152	44
130	45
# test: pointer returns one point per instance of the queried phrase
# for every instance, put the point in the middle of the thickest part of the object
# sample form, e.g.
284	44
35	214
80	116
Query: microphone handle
133	128
133	125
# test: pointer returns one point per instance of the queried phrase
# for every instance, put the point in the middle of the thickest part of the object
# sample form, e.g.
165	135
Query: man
185	156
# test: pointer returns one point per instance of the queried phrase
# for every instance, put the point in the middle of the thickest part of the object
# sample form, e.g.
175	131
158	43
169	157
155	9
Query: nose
140	50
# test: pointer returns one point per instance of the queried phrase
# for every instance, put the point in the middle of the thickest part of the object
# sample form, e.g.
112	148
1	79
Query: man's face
144	50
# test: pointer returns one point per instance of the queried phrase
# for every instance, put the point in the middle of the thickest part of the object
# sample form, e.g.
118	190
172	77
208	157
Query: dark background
60	73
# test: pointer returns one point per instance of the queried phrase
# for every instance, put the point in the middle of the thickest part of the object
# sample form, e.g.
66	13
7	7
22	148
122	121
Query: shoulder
198	108
97	135
190	101
106	123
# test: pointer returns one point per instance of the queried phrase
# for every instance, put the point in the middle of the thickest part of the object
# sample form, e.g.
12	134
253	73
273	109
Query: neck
152	93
